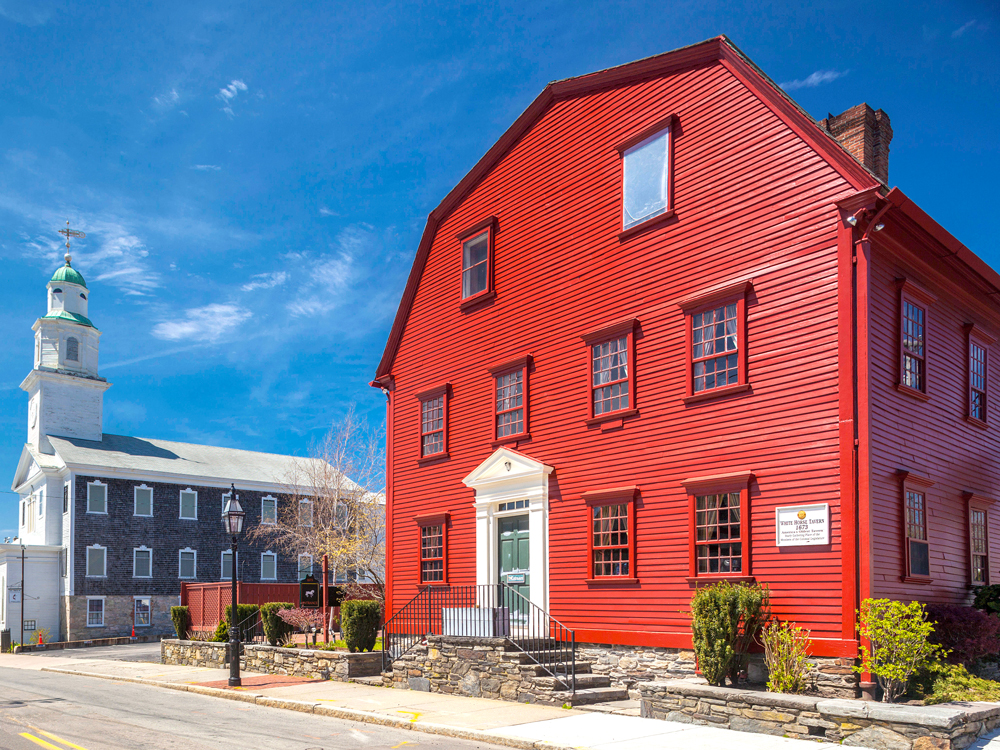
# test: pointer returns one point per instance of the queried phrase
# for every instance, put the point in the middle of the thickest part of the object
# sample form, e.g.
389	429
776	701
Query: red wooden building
666	304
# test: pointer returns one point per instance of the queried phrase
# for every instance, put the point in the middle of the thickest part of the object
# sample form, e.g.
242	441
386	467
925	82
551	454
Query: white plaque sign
15	597
802	525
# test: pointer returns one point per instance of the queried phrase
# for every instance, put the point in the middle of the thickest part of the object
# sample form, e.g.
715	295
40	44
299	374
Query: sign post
802	525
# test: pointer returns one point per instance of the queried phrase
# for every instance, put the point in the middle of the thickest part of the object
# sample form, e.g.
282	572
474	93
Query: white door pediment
505	465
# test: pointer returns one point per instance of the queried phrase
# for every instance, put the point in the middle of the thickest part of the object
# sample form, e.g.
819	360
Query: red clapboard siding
753	199
931	438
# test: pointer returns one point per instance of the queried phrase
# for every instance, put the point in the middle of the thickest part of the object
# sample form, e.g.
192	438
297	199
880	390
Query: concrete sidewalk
497	722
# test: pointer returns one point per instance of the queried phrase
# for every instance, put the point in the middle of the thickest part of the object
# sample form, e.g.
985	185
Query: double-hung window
979	347
226	574
142	562
187	565
916	541
914	304
143	501
611	534
611	363
434	423
510	400
305	566
646	168
979	539
268	510
716	350
433	549
97	497
97	562
305	513
720	530
95	612
268	566
477	261
143	611
189	505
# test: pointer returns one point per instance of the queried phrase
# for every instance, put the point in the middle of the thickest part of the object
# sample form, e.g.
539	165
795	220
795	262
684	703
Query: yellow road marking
60	740
404	742
414	714
41	742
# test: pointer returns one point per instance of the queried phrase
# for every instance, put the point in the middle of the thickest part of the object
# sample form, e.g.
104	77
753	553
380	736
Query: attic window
57	291
646	175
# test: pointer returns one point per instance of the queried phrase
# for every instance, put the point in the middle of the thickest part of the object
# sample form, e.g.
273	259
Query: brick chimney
864	132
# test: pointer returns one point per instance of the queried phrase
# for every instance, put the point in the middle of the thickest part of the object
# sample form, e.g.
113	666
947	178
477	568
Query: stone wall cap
928	716
750	697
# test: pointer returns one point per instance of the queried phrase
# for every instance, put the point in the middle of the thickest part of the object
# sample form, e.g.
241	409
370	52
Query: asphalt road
127	652
68	712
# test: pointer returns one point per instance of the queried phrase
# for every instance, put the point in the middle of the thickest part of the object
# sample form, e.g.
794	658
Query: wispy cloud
324	211
963	28
206	167
26	14
265	281
815	79
209	323
228	94
167	100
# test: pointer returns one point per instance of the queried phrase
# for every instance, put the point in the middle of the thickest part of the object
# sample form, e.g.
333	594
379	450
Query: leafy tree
335	506
895	643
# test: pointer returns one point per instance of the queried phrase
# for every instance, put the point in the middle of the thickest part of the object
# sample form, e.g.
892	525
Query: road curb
350	714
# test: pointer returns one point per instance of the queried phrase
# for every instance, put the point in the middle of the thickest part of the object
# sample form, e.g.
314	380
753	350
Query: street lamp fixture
232	520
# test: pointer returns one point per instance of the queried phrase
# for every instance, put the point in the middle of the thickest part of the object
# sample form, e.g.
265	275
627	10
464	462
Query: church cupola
64	388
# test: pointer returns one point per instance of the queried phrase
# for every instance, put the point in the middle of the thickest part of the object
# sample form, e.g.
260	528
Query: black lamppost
232	520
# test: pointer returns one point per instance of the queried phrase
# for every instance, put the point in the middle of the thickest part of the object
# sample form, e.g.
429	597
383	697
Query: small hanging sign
515	578
802	525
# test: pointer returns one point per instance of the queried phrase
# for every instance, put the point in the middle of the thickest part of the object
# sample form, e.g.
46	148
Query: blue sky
253	178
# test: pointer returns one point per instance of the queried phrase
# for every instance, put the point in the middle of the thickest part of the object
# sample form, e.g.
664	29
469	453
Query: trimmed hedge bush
275	629
360	620
221	634
725	620
182	618
898	643
967	634
246	617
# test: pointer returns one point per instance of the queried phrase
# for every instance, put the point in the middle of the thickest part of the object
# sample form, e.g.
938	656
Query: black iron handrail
492	610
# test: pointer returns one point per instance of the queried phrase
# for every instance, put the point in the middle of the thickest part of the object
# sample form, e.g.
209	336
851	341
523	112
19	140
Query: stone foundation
850	722
479	667
118	614
627	666
318	665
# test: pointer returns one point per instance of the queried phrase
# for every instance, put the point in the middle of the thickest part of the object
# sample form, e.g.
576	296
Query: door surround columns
507	477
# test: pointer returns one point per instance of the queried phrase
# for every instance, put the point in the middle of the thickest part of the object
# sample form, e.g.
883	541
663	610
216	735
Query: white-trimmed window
143	501
227	565
268	566
97	561
189	504
97	497
66	498
142	562
269	510
143	611
187	563
305	513
95	612
225	499
305	566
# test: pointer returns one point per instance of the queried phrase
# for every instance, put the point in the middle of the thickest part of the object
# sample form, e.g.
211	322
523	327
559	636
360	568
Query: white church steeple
65	392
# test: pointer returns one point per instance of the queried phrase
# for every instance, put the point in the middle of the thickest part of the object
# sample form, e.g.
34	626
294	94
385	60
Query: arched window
72	350
57	291
84	296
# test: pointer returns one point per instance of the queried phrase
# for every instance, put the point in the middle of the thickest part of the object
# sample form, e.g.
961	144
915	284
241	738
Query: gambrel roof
717	50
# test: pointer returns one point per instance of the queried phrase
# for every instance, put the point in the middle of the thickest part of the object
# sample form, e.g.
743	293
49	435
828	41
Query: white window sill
97	512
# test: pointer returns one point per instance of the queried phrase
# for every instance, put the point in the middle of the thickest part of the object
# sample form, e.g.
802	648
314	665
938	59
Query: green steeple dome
69	275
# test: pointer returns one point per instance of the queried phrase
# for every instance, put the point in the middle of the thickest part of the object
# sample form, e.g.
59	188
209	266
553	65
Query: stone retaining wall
627	666
319	665
854	723
480	667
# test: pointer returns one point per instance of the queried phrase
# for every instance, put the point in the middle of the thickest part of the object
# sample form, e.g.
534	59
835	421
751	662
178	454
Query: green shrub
898	643
988	599
786	647
275	629
953	683
221	634
725	620
182	618
360	619
246	616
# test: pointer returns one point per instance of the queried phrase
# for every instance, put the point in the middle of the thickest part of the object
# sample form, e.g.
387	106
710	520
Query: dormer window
646	171
72	350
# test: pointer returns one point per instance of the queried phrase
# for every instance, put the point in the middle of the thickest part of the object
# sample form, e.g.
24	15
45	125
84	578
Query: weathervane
67	233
